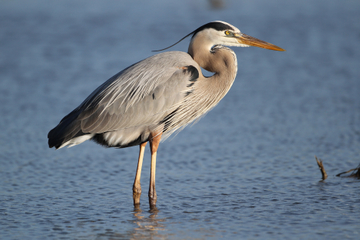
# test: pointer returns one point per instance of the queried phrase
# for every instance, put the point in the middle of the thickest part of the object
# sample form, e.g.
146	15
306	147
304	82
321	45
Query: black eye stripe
219	26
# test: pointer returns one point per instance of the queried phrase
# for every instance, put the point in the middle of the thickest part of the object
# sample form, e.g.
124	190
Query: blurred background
246	170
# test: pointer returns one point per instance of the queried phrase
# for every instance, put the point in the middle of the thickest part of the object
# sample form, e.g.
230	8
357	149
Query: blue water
244	171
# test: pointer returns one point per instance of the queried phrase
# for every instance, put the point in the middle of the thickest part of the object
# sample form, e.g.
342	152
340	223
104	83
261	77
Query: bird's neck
220	60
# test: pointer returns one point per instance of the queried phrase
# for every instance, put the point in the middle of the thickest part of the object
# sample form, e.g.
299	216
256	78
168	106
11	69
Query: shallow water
246	170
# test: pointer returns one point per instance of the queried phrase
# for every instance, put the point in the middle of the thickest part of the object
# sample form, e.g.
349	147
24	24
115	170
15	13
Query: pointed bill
251	41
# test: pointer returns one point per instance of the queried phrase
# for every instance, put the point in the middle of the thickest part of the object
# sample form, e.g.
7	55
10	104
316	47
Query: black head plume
217	25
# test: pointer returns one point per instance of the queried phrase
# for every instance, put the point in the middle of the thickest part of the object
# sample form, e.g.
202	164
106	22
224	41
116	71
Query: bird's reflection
147	226
148	223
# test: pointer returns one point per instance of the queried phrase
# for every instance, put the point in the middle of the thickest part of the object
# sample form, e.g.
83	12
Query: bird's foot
136	195
152	199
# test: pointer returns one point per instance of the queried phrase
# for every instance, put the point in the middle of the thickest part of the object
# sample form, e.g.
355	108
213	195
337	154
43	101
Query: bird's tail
68	128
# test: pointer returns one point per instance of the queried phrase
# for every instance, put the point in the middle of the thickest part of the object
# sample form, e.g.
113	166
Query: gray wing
135	100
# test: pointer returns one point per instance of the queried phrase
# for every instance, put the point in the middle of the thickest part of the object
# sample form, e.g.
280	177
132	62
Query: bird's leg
137	186
154	144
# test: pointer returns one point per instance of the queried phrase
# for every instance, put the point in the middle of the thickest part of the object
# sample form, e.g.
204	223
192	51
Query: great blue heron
157	96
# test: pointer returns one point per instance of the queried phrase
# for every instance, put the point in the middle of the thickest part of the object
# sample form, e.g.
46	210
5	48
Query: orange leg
154	144
137	186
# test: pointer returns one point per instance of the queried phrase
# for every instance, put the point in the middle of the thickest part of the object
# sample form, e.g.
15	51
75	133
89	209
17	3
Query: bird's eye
227	33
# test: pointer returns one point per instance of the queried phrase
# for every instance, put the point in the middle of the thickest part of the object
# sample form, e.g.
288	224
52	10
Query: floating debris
355	173
322	169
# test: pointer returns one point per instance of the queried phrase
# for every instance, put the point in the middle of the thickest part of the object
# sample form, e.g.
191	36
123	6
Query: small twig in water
353	174
322	169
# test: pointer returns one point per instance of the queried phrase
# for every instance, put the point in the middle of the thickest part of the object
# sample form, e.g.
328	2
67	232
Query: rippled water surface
245	171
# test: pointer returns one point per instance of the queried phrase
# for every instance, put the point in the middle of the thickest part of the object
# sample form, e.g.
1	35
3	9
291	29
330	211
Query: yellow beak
251	41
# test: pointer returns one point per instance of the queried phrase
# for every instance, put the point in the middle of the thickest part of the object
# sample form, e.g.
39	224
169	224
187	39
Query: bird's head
222	33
